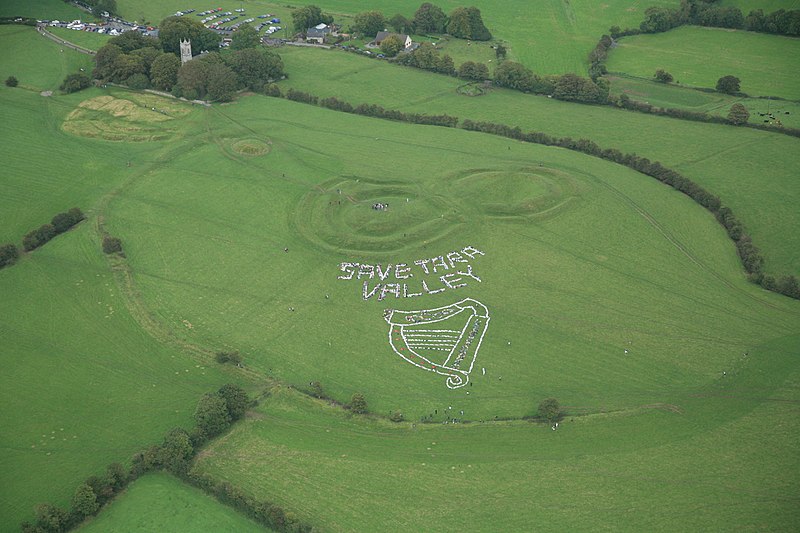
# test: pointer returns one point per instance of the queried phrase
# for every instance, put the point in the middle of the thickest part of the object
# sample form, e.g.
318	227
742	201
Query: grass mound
140	118
251	147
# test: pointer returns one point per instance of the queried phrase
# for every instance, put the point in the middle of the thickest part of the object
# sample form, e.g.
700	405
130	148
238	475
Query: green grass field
765	64
36	61
721	158
616	294
86	39
160	502
43	10
674	96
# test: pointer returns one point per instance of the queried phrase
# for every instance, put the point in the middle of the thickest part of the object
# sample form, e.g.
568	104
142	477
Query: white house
384	34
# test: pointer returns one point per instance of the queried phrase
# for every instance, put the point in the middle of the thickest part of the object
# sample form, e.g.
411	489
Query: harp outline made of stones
413	335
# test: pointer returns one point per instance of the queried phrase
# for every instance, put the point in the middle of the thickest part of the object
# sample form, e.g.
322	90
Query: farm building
384	34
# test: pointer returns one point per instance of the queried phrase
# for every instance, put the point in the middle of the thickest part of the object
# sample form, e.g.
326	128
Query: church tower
186	50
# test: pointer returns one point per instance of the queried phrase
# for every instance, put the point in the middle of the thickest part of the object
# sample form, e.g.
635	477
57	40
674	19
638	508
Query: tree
549	409
236	400
117	476
164	71
369	23
728	84
84	501
212	415
663	76
51	518
11	81
111	245
738	114
429	18
192	78
470	70
138	81
125	66
401	24
147	55
104	60
245	37
576	88
172	30
500	51
254	67
514	76
134	40
392	45
8	254
75	82
308	17
221	83
358	404
176	451
466	23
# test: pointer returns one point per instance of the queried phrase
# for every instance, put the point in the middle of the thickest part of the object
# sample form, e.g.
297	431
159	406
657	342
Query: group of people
380	206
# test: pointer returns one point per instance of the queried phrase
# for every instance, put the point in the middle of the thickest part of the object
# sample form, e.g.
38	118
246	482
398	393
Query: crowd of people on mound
380	206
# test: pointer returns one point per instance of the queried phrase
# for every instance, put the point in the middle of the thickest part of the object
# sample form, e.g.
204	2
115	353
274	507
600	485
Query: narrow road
41	28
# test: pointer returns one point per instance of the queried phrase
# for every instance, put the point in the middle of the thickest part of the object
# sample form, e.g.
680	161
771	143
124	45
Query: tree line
214	414
142	62
710	14
749	254
62	222
462	22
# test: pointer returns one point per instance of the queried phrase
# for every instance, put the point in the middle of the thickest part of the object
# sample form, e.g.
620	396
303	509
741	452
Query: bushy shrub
111	245
76	82
12	81
9	253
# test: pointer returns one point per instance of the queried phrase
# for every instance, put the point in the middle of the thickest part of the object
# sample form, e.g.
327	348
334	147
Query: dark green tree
549	409
172	30
221	83
514	76
255	67
467	23
8	254
358	404
193	78
111	245
663	76
429	18
84	501
236	400
401	24
148	56
308	17
117	476
75	82
728	84
392	45
500	51
138	81
164	71
369	23
51	518
176	451
470	70
212	415
245	37
134	40
11	81
105	59
738	114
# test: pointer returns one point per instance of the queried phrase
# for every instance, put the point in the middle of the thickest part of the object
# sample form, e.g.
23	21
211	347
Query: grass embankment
724	159
160	502
767	65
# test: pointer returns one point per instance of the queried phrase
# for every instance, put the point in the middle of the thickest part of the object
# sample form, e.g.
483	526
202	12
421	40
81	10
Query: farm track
63	42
